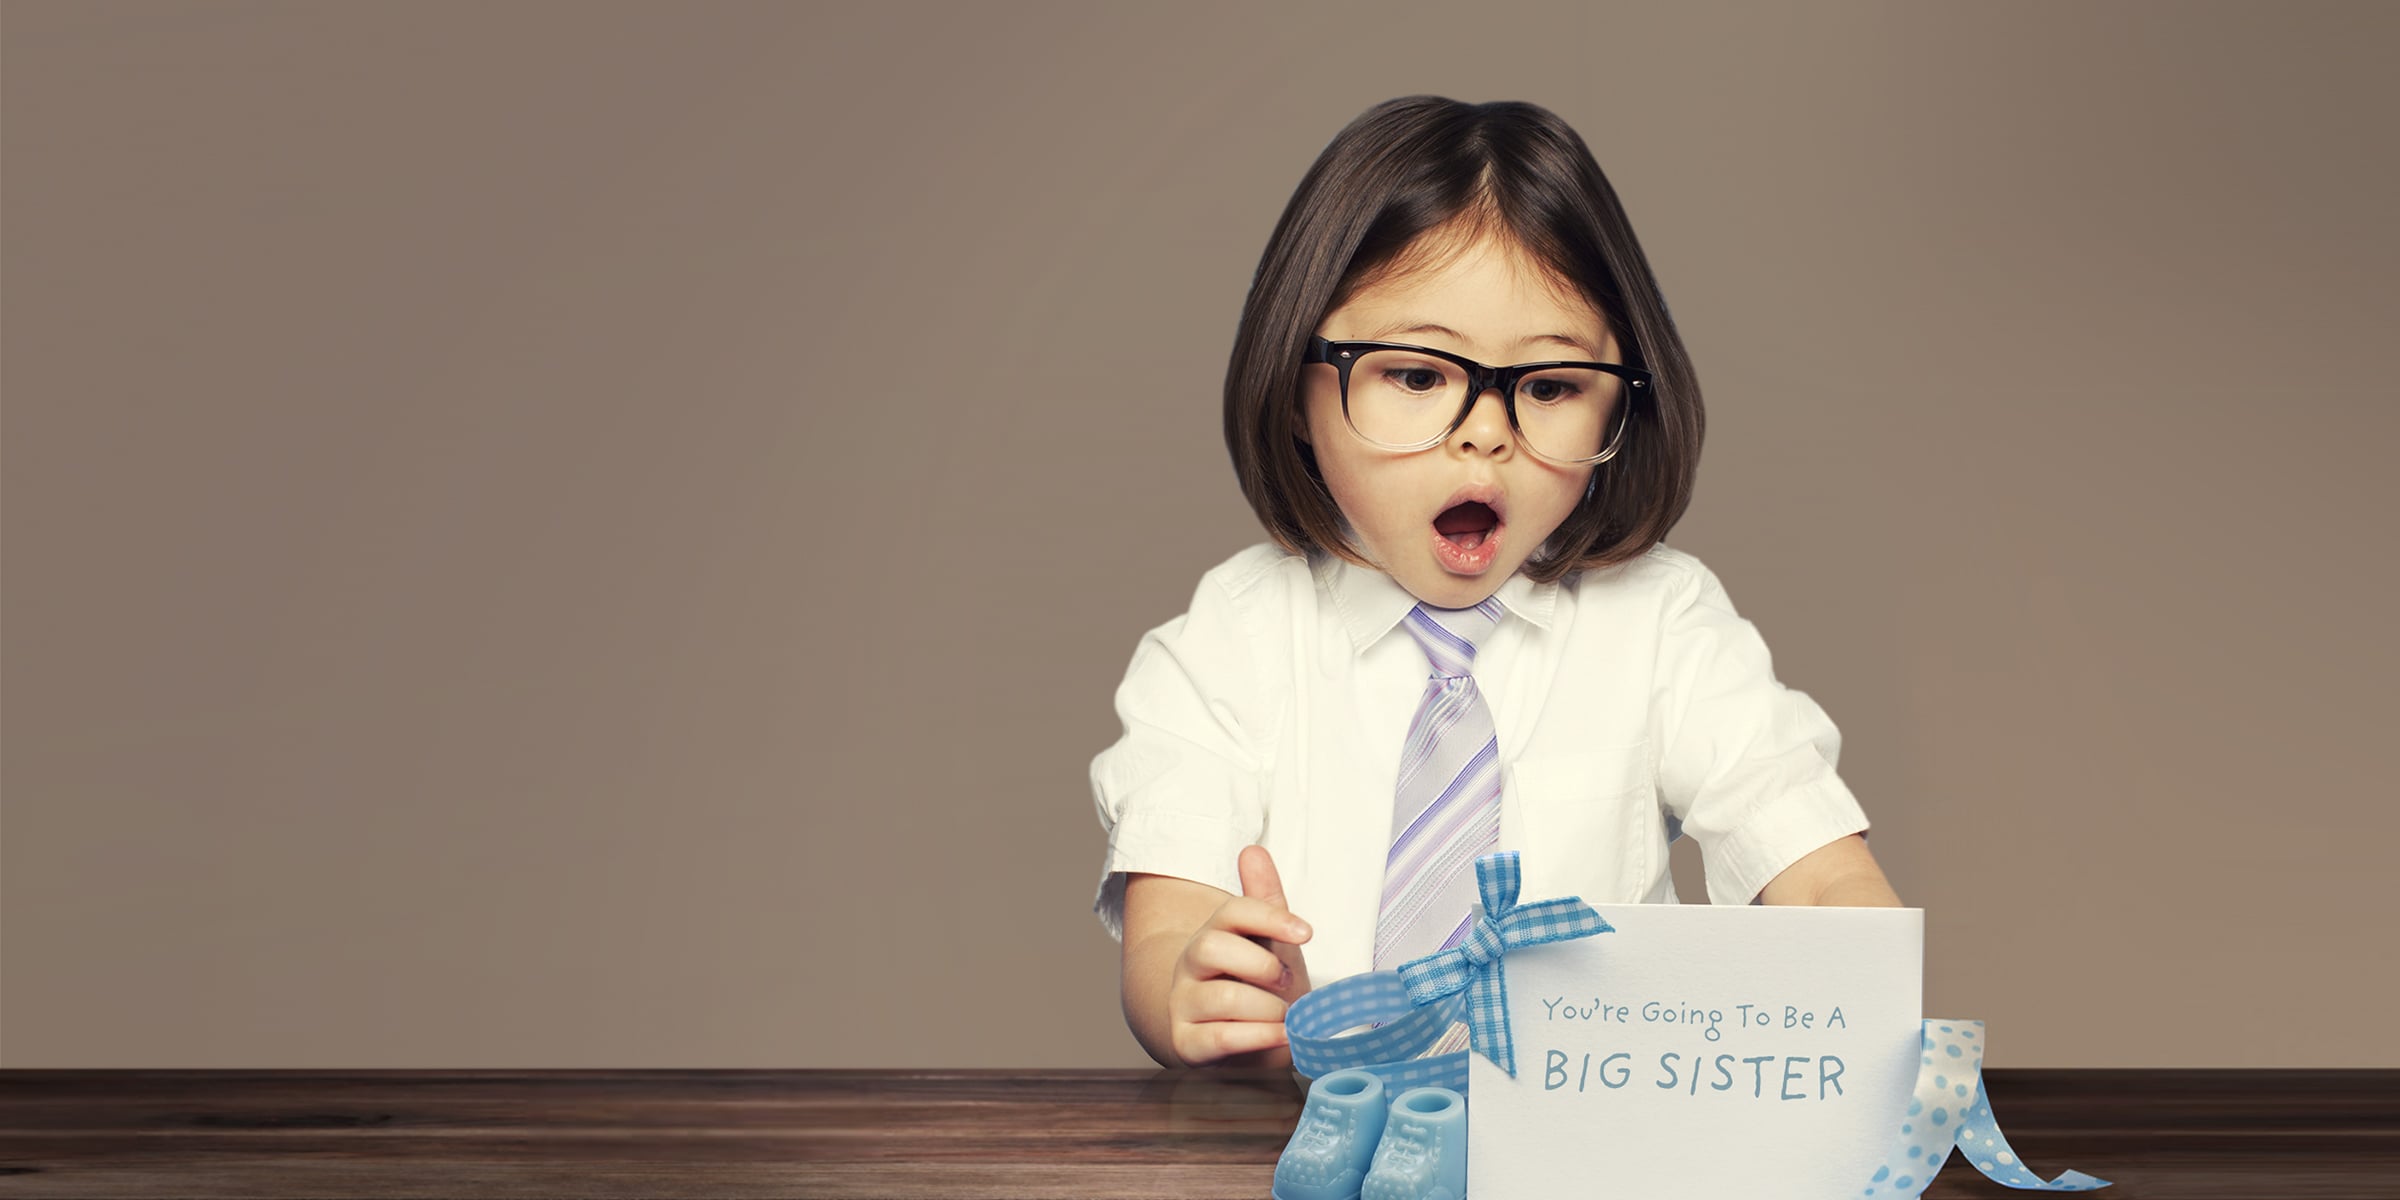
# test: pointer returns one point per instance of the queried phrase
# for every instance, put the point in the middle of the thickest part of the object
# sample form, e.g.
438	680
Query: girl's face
1490	303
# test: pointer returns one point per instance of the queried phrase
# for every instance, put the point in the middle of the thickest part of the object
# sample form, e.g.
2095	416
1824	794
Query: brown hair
1417	164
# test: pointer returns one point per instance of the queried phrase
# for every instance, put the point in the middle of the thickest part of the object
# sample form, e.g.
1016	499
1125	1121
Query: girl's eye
1415	379
1548	391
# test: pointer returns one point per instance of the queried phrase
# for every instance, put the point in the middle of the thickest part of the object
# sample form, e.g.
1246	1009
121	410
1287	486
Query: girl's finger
1230	1000
1209	1041
1256	918
1221	952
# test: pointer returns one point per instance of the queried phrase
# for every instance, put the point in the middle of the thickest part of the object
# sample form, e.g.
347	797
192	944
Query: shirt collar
1371	603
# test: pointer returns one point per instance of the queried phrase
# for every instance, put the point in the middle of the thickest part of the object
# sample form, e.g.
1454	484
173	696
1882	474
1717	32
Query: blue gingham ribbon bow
1384	1022
1474	966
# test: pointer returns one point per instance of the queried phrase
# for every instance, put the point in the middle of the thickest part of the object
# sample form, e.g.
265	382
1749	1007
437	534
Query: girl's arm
1840	874
1161	915
1199	988
1747	765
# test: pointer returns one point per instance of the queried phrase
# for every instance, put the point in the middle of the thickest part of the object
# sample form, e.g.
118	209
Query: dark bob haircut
1418	164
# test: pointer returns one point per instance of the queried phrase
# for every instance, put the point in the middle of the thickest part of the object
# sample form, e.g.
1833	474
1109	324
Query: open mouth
1466	536
1466	525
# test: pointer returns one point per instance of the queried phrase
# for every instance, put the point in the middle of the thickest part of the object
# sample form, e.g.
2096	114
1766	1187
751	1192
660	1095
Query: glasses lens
1564	412
1400	398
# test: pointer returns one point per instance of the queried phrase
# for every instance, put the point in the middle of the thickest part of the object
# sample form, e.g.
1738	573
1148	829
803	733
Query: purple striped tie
1447	808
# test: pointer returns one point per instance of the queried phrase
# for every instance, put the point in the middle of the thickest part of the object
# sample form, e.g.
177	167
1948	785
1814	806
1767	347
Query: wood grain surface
2285	1135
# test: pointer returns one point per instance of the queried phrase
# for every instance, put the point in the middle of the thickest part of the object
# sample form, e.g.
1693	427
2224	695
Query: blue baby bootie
1423	1155
1339	1129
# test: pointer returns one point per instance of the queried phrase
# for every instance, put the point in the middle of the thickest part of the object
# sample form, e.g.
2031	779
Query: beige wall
603	535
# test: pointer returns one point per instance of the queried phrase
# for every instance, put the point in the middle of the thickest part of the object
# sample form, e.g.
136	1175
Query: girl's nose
1486	427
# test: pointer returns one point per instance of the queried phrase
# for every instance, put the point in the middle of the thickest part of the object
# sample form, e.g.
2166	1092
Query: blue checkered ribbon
1409	1009
1391	1050
1474	966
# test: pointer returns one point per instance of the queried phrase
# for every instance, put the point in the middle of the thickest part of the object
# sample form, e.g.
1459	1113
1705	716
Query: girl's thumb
1259	880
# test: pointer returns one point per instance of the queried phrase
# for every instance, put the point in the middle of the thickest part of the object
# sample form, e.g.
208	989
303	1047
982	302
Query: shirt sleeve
1747	764
1178	793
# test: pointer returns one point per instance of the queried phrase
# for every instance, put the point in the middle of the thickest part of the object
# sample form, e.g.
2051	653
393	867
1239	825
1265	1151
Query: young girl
1467	634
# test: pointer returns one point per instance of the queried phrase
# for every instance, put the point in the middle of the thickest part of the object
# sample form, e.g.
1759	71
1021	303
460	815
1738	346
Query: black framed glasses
1414	397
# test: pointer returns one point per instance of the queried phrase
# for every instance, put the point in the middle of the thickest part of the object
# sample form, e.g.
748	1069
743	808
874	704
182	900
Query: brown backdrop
563	534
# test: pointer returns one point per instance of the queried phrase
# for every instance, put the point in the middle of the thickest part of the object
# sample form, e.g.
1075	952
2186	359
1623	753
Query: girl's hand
1239	974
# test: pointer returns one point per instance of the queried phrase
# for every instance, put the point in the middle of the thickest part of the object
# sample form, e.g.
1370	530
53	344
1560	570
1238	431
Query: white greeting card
1702	1052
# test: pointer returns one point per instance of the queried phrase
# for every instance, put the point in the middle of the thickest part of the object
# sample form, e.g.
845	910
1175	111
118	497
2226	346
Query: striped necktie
1446	810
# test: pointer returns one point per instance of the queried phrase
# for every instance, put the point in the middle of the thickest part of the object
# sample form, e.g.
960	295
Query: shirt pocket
1588	824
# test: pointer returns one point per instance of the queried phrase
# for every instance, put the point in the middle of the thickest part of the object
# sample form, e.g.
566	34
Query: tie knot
1448	635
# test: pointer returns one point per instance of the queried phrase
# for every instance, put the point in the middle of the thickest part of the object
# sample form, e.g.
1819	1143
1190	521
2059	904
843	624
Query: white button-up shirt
1632	704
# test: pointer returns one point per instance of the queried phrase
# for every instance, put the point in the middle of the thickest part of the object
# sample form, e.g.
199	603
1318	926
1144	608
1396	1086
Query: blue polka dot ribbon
1949	1109
1409	1009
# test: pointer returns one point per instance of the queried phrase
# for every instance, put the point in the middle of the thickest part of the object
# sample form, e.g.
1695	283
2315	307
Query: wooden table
2285	1135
